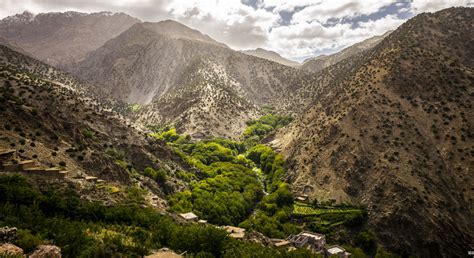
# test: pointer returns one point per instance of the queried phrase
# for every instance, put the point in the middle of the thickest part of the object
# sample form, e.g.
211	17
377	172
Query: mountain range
385	123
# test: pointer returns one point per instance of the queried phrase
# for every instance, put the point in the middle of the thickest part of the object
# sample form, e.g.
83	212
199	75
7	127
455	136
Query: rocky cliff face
395	133
62	39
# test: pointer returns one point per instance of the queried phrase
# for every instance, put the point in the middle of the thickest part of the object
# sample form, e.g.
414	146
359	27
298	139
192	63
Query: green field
325	218
303	209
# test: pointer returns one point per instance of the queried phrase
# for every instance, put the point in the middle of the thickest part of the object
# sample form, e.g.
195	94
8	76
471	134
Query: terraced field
326	219
303	209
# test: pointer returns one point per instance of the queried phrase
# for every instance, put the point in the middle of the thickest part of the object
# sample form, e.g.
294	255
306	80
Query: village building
310	240
10	163
337	251
91	178
164	253
235	232
202	221
190	216
280	242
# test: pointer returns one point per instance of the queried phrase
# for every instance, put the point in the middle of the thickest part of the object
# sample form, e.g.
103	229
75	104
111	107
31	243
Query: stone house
310	240
190	216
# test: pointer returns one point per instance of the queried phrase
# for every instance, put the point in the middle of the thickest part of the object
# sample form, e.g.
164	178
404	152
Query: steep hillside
47	118
204	104
13	46
176	30
270	55
62	39
394	132
151	62
320	62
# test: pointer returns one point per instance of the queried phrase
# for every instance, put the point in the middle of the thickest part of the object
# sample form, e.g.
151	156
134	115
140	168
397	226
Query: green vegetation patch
90	229
232	181
259	128
303	209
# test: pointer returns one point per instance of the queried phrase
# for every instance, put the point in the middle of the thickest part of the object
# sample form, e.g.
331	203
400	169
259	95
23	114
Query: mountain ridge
142	65
60	39
318	63
270	55
387	135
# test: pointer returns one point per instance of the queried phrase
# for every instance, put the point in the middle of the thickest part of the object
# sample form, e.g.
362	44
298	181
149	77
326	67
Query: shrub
26	240
88	133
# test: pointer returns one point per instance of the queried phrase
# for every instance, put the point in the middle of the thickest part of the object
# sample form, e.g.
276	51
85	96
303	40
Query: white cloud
285	5
230	21
326	10
303	39
419	6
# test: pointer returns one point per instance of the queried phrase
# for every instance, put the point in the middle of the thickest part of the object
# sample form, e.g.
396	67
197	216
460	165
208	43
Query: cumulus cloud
294	28
232	22
325	10
419	6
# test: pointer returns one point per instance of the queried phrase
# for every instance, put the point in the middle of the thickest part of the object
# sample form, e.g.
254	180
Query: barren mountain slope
148	64
396	134
147	60
46	119
320	62
203	104
270	55
61	39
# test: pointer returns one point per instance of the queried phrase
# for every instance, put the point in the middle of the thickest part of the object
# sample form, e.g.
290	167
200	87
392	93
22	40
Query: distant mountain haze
63	39
320	62
270	55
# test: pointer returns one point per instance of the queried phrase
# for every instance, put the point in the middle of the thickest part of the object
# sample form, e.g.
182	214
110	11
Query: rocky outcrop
10	250
46	251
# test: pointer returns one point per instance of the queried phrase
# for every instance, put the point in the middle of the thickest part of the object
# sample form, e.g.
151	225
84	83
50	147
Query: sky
296	29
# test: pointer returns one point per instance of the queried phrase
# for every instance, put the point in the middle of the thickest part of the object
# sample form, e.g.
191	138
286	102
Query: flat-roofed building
313	241
337	251
235	232
190	216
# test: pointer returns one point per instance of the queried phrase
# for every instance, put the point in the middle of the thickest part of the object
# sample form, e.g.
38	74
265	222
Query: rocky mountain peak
270	55
62	39
176	30
24	17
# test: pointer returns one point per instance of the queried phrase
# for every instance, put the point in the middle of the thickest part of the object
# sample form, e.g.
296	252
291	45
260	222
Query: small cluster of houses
10	163
316	243
312	241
